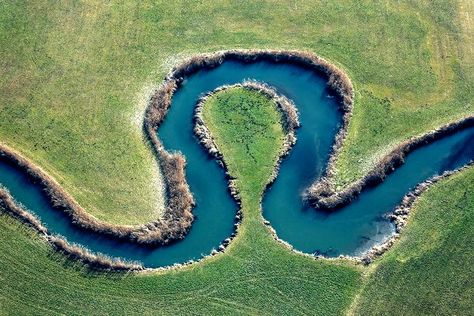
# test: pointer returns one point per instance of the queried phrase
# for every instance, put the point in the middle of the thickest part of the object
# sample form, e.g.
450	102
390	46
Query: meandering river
350	230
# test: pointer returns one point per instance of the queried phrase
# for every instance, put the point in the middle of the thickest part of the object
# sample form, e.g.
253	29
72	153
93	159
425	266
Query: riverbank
177	217
400	215
150	233
71	251
430	266
323	194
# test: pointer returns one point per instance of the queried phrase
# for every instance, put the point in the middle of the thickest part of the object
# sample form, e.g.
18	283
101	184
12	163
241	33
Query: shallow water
350	230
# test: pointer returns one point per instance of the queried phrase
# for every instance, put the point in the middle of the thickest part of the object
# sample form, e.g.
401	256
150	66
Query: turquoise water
349	230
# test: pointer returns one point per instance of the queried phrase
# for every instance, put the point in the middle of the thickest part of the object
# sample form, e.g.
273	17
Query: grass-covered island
77	77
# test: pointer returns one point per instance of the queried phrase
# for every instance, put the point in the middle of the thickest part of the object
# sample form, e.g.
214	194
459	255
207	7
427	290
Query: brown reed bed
151	233
8	204
91	260
177	218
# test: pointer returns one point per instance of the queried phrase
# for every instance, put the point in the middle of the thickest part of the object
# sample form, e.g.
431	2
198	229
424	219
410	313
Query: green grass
75	78
430	270
254	270
246	127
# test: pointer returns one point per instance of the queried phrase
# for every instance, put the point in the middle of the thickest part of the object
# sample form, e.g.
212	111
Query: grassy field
76	78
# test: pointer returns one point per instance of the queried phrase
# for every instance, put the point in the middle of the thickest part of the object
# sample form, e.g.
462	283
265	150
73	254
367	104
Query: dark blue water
347	231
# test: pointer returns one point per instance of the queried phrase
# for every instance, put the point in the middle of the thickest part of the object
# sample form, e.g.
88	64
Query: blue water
347	231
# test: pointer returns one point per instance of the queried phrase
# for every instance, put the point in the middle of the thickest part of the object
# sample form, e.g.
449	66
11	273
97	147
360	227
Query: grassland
76	76
246	126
